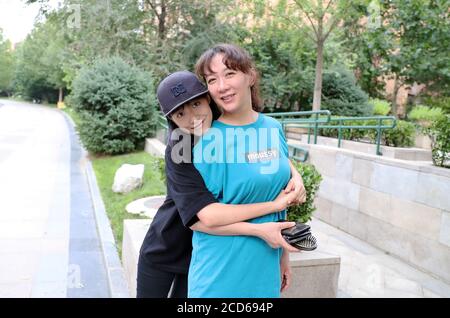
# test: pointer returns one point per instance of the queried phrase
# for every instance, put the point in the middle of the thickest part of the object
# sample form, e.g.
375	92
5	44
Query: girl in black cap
242	158
166	250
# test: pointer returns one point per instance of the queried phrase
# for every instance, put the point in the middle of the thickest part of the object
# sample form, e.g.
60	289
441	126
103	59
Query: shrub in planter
160	165
380	107
425	115
347	134
442	102
311	180
439	133
117	106
401	136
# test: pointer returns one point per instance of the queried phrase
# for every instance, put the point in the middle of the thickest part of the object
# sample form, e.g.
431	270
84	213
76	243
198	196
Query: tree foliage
6	66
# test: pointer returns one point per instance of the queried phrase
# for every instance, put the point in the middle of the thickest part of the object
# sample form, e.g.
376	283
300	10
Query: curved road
49	245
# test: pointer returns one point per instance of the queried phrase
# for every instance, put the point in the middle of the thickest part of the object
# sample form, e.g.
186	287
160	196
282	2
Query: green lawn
75	117
106	167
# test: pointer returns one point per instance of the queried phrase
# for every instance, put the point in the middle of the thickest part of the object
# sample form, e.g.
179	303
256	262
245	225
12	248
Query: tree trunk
162	21
60	98
318	81
394	97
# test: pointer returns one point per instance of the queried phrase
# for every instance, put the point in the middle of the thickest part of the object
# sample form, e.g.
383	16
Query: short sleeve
283	141
186	187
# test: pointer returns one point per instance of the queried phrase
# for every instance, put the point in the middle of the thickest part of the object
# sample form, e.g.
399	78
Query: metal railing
314	123
161	125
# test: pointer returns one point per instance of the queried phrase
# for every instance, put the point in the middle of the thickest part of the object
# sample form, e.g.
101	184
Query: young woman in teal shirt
243	159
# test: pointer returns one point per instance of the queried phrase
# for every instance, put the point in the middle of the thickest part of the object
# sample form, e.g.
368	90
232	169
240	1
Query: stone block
340	191
362	172
429	255
415	217
357	224
324	160
433	190
155	147
388	238
397	181
344	167
323	211
375	204
339	216
315	274
134	232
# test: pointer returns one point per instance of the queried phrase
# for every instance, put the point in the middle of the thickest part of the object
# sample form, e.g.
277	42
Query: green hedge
117	106
380	107
439	133
402	135
341	94
311	180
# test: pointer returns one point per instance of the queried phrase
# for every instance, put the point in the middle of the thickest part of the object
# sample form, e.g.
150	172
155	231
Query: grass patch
73	114
106	167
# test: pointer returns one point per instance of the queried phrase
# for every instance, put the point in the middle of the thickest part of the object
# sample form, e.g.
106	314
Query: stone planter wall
399	206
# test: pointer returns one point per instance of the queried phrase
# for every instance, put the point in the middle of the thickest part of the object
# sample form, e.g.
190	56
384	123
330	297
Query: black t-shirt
168	243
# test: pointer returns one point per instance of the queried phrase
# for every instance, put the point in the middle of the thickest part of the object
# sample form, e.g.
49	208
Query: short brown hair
235	58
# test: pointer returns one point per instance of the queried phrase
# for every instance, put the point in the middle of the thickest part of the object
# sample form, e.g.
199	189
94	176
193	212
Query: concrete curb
117	283
114	270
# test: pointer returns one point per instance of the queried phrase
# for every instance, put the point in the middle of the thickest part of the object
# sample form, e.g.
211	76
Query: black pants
155	283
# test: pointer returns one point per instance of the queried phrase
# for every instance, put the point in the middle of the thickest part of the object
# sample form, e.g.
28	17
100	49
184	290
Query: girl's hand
285	270
296	186
285	199
271	233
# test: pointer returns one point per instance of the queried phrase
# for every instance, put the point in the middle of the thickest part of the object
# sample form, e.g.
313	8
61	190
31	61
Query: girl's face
194	117
229	88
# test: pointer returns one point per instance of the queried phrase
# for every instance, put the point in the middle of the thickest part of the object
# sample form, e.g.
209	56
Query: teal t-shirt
239	164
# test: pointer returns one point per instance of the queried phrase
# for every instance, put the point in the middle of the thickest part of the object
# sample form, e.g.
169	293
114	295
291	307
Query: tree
409	44
364	39
6	65
39	71
421	29
322	16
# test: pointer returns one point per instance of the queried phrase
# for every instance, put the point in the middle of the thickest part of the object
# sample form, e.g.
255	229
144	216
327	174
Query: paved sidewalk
369	272
87	275
49	242
35	201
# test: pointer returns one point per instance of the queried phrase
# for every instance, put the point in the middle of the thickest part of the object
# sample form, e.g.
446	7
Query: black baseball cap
177	89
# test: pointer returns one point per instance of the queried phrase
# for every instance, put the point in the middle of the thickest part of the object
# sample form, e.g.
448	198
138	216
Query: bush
347	134
342	96
116	104
311	180
161	167
442	102
380	107
402	135
439	133
424	113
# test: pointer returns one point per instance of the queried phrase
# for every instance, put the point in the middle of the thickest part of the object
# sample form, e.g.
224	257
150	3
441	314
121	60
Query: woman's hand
271	233
285	199
285	270
296	187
